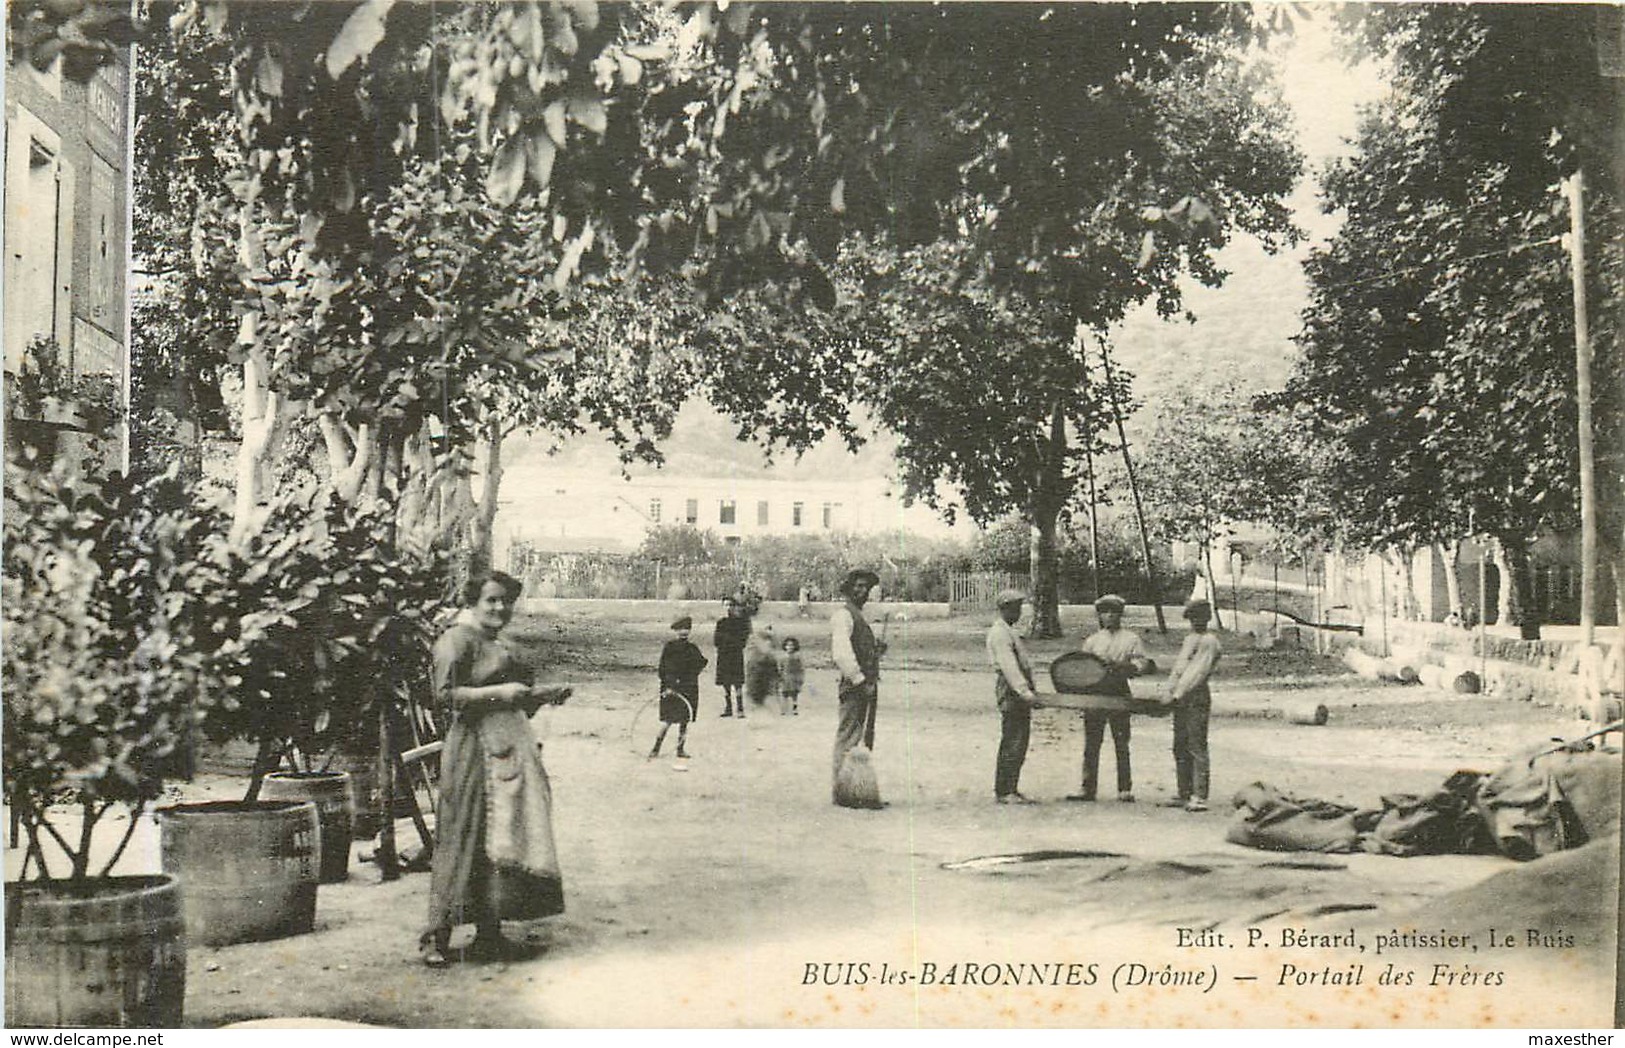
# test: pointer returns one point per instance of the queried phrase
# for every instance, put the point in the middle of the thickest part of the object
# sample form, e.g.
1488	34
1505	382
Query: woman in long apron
494	856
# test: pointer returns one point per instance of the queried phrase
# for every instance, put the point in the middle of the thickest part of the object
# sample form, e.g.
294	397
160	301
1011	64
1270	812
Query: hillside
1242	333
704	444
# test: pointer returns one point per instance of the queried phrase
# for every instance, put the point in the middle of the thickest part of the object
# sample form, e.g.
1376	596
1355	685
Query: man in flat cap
857	655
1014	692
1124	656
1187	689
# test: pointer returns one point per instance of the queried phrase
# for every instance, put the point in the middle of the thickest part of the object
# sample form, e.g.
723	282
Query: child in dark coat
680	666
732	634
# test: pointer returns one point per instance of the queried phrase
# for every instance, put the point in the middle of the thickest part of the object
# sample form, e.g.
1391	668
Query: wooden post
1320	610
389	867
1235	591
1575	187
1094	520
1139	510
1382	581
1483	617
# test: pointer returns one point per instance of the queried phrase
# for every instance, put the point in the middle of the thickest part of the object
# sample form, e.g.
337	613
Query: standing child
680	666
791	676
733	630
1187	689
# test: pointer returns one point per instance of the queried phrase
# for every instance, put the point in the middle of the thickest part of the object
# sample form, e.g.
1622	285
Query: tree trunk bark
1043	558
1151	582
349	455
1616	564
1212	584
1406	604
265	422
1507	609
1519	583
1450	554
1046	580
413	503
1094	519
480	535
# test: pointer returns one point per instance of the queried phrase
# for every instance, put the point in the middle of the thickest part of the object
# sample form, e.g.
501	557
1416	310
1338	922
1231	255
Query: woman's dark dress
680	666
463	888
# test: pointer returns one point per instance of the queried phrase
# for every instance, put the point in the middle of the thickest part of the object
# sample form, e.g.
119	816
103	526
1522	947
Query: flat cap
1198	609
683	622
1010	596
1110	602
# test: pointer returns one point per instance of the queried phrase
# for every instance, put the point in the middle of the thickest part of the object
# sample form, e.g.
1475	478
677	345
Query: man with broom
857	655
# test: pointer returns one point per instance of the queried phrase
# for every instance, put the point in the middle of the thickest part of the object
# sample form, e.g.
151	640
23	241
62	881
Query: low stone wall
1540	671
637	610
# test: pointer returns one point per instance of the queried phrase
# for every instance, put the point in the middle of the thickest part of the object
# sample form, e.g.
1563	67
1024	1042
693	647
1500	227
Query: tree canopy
1064	193
1439	346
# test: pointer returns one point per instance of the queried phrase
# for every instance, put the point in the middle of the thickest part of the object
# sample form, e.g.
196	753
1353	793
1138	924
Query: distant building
66	242
572	512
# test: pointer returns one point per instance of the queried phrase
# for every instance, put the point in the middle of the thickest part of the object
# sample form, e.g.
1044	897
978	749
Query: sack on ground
1444	822
1274	821
1525	809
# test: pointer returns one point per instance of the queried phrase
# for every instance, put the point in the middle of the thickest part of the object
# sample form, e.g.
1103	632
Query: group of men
857	654
1123	657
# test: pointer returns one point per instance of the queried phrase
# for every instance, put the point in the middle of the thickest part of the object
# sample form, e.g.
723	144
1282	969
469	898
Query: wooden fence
978	589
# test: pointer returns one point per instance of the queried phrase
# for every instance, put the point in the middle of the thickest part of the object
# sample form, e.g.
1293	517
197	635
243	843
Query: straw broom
855	782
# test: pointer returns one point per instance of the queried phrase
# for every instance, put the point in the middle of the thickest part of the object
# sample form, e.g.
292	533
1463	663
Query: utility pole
1575	189
1134	489
1094	517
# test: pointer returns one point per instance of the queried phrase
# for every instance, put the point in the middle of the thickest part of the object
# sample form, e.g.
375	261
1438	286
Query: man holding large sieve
1124	657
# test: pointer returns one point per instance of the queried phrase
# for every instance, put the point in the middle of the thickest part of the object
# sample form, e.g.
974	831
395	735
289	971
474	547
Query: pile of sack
1548	799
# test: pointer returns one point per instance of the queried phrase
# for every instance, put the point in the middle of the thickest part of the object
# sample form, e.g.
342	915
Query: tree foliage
1438	365
397	168
1217	457
81	35
1068	183
100	673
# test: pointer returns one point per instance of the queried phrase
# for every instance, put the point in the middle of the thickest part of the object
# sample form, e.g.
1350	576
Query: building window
654	511
692	511
795	514
761	514
730	540
725	511
829	514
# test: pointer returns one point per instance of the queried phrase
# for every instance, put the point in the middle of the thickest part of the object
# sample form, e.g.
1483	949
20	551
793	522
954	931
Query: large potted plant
319	625
98	685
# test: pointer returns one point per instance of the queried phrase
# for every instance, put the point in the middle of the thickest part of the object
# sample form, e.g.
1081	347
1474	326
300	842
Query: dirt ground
733	893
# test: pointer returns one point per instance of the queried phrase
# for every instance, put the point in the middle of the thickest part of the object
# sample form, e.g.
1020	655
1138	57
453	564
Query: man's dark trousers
1018	721
1094	733
856	725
